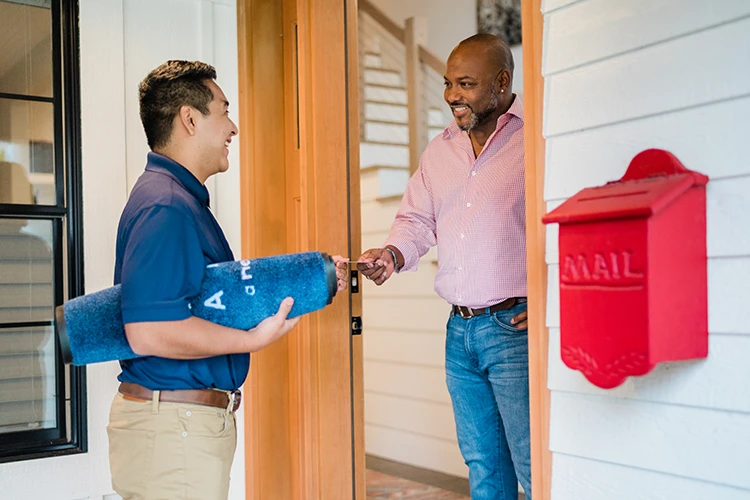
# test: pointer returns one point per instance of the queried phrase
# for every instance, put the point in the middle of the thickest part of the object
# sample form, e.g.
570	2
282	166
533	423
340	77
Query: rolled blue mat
237	294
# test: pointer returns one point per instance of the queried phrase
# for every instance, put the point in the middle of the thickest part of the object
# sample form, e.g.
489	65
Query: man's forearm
191	338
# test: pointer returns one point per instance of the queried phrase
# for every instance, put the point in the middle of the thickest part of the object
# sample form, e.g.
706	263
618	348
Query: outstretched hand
342	278
377	265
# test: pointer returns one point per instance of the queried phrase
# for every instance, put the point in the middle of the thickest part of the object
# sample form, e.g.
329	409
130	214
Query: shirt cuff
407	249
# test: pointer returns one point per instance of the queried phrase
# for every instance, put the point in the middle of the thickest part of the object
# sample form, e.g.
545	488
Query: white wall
121	40
448	23
621	77
408	413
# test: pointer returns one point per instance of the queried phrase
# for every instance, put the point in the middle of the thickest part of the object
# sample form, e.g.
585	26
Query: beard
478	118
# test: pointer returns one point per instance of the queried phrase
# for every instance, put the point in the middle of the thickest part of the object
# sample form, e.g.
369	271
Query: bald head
479	84
495	51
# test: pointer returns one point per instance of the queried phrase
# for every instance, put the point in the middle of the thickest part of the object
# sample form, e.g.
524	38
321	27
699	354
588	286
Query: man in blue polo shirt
172	426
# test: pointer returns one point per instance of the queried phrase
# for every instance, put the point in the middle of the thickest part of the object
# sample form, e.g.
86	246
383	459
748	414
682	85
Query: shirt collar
183	176
516	109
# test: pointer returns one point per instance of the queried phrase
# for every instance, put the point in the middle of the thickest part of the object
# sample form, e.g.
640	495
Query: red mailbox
633	271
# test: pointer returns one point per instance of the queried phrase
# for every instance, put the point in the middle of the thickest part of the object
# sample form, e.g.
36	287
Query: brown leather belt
467	312
205	397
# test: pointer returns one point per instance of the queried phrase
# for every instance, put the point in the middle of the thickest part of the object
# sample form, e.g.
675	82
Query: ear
504	80
187	119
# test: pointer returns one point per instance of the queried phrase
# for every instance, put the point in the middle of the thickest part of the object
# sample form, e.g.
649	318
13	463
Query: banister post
416	35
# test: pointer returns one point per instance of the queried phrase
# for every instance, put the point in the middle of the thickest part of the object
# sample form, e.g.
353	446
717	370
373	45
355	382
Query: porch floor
387	480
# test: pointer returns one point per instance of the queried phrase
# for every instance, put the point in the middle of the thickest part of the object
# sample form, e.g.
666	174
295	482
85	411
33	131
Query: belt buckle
465	312
235	398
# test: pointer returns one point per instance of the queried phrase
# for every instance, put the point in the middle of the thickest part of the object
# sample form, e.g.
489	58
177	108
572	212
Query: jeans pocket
503	319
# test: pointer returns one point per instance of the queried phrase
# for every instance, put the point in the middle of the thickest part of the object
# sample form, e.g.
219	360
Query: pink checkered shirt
473	209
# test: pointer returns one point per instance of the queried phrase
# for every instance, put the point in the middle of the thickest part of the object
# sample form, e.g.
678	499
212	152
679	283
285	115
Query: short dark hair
166	89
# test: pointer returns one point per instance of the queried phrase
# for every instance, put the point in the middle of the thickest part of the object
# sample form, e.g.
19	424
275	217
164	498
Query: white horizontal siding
422	314
424	418
718	382
575	478
405	347
690	442
418	284
618	27
415	449
623	77
550	5
709	139
425	383
635	85
408	415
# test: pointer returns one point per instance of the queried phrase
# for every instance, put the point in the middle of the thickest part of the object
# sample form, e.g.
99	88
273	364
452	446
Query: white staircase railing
401	101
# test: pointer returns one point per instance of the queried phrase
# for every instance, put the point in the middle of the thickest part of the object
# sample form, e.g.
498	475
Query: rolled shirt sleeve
162	266
413	230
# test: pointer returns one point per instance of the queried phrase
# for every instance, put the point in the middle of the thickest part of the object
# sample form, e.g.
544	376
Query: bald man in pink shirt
467	197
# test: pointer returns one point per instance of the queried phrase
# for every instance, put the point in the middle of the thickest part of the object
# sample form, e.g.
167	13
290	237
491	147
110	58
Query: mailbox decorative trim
610	375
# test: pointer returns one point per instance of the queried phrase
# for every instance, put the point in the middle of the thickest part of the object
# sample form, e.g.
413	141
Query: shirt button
459	298
473	173
462	235
468	204
460	268
189	413
184	434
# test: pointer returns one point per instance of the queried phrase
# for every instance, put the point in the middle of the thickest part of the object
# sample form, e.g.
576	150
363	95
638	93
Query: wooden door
300	191
299	172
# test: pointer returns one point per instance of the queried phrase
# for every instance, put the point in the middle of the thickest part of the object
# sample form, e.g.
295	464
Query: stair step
433	132
386	133
399	113
383	183
384	77
373	60
385	94
436	118
390	155
386	112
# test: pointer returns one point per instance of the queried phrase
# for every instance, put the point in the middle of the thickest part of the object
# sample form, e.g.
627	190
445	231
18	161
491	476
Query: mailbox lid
620	200
654	179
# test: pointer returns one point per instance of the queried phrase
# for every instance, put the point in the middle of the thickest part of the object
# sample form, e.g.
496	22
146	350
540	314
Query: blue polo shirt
166	237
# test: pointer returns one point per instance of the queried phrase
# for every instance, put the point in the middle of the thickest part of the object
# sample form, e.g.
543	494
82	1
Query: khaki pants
170	451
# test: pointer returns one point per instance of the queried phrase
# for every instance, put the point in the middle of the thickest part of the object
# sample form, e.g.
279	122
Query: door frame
304	394
297	418
532	24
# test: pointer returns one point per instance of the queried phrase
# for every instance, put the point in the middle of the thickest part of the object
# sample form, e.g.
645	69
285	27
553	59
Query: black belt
467	312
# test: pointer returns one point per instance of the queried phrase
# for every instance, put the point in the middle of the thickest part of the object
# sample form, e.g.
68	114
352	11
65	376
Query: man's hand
520	320
274	327
378	265
342	276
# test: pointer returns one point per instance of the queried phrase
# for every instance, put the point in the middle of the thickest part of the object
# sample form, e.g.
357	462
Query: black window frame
66	216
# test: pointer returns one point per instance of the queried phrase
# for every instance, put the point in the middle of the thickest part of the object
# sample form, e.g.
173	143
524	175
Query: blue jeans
487	371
